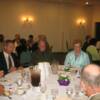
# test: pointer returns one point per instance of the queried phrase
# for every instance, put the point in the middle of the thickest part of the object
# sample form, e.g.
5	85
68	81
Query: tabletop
31	93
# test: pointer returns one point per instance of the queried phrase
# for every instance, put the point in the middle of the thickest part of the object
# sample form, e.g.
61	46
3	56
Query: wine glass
77	88
19	82
54	93
70	92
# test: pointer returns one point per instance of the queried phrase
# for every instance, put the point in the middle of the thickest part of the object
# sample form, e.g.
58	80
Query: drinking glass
77	88
70	92
54	67
26	76
19	82
35	78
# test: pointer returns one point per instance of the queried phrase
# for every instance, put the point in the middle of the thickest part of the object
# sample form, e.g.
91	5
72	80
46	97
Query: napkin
45	70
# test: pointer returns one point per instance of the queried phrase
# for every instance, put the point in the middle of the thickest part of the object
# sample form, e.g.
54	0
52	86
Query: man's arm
1	89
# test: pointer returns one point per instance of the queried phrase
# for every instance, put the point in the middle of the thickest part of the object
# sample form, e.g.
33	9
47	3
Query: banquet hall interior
61	21
55	35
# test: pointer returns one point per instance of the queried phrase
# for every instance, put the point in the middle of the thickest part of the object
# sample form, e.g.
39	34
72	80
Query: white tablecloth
35	94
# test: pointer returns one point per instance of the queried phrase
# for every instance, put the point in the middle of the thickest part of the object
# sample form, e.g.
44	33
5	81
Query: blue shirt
79	61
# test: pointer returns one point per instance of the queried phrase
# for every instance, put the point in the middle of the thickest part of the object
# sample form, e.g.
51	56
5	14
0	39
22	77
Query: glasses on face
77	46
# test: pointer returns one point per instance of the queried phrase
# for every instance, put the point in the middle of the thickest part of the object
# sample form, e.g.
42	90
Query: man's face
9	48
77	48
42	46
86	88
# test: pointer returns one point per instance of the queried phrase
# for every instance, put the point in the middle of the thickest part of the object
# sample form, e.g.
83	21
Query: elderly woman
77	57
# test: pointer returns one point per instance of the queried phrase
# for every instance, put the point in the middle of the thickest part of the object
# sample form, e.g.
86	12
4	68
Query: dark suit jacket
95	97
3	64
41	57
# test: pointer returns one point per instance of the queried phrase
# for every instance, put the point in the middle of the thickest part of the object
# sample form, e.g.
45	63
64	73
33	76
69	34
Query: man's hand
12	69
1	89
1	73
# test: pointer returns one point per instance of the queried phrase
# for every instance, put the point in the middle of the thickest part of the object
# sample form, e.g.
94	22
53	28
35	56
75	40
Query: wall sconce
27	19
81	21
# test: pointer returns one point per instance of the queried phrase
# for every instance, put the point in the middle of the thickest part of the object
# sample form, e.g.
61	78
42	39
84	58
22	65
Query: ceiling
77	2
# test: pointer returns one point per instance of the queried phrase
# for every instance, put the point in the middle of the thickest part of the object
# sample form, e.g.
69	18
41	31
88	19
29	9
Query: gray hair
92	80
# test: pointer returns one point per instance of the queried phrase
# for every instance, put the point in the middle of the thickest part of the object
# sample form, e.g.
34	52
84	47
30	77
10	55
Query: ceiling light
87	3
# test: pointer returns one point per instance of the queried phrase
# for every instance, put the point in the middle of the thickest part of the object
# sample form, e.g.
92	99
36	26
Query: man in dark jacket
42	54
8	60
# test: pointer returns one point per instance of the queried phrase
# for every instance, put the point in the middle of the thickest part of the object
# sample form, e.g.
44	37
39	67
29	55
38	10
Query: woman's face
77	48
42	46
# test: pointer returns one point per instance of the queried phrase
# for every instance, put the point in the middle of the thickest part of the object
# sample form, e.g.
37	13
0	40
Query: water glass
19	82
54	67
26	76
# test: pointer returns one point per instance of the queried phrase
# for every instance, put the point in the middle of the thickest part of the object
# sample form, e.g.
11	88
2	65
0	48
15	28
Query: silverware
9	97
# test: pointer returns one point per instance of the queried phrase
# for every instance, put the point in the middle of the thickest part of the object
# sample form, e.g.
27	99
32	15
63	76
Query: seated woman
77	57
42	54
25	54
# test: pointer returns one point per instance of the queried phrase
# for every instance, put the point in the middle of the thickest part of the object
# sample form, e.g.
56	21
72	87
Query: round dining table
27	92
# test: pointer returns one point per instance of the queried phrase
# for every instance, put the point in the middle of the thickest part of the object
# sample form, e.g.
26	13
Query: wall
56	21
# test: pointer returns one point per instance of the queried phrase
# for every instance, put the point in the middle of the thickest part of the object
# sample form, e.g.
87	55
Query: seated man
90	81
42	54
77	57
92	50
1	73
1	87
8	60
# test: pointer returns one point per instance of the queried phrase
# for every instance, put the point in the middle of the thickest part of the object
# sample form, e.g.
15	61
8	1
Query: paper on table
33	94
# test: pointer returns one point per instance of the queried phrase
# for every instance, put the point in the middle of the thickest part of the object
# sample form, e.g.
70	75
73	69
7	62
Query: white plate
20	92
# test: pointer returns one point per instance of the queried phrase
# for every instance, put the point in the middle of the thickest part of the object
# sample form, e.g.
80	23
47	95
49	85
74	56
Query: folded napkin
45	70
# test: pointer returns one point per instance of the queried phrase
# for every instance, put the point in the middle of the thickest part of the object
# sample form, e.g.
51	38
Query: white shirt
6	55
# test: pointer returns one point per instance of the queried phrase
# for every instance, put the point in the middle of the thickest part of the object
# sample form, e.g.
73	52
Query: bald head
92	69
91	75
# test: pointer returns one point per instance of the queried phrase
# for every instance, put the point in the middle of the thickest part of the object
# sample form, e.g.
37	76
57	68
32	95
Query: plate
20	92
